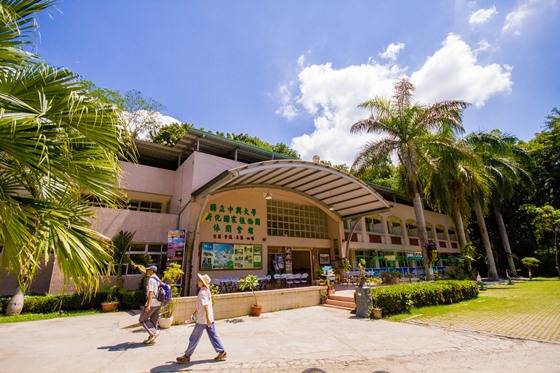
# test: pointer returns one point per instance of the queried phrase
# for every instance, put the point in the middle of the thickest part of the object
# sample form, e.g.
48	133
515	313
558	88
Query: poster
324	258
288	260
175	244
230	256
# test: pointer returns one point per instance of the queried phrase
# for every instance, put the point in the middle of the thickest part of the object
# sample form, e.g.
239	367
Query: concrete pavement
313	339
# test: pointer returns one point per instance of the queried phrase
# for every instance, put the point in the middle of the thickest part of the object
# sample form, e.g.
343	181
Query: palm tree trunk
492	272
504	237
422	233
459	228
16	303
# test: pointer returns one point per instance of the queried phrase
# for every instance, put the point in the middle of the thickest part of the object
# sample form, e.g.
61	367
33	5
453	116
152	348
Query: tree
170	135
499	157
58	147
409	131
544	150
530	262
546	224
122	242
140	114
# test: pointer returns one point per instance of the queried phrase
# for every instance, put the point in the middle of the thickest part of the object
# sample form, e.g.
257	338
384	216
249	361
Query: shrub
400	298
132	299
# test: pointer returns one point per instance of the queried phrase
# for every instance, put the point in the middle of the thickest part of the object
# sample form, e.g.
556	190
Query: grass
528	309
44	316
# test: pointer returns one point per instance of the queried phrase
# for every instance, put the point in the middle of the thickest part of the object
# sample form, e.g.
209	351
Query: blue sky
294	71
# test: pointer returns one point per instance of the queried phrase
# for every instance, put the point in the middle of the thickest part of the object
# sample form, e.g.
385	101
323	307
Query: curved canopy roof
338	191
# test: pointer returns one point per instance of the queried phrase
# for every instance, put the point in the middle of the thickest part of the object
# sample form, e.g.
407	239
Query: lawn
527	309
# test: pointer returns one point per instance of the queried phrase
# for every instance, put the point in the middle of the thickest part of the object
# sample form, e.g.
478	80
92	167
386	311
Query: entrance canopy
338	191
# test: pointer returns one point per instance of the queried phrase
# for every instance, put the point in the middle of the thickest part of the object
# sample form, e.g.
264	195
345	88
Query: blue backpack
164	293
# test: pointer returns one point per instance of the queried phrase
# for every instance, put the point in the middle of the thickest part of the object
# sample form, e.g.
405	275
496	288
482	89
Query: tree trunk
505	238
459	228
492	272
422	233
16	303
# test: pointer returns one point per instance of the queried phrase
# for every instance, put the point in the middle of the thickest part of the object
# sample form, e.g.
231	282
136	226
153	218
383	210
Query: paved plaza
312	339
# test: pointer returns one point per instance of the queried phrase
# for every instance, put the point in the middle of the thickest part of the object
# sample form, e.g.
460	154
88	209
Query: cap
153	268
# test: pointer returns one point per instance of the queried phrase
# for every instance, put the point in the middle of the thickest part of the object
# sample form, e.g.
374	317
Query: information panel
230	256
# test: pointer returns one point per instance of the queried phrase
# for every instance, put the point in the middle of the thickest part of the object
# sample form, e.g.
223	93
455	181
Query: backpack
164	293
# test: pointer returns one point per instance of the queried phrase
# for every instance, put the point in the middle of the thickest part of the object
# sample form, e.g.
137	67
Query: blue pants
197	333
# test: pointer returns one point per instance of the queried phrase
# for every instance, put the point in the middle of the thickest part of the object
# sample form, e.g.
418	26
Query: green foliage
530	262
45	304
250	282
111	292
344	264
170	134
400	298
172	275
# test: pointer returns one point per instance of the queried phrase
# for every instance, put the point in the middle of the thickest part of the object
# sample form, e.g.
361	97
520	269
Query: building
247	210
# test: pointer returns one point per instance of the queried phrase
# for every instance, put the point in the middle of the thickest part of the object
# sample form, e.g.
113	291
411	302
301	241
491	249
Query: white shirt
153	286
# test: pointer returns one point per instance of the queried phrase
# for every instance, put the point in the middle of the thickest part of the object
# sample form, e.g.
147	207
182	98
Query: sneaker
183	359
152	339
221	356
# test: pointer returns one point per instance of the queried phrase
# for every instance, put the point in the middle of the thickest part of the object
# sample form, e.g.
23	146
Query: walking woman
204	315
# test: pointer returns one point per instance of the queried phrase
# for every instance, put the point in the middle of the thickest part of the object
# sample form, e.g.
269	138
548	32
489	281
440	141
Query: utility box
364	303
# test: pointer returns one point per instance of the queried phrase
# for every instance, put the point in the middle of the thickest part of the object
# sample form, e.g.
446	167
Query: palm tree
58	147
450	174
500	157
122	242
409	130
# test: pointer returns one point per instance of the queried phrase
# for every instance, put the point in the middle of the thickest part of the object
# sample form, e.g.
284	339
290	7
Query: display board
230	256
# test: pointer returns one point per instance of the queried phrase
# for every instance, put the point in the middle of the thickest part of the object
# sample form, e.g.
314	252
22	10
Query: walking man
204	315
150	314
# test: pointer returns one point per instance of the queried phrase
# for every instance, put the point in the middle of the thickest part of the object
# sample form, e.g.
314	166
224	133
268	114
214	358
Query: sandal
183	359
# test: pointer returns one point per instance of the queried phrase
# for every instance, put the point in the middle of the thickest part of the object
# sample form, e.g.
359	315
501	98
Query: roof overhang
337	191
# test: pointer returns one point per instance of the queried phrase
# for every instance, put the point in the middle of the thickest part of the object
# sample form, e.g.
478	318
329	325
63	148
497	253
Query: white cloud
483	45
454	73
482	16
515	19
392	51
526	11
330	96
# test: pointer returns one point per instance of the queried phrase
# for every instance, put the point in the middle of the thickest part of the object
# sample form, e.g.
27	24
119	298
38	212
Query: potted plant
376	311
251	282
111	302
323	296
318	276
362	275
171	275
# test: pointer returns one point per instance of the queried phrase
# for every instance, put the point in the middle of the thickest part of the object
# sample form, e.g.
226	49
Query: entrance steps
343	300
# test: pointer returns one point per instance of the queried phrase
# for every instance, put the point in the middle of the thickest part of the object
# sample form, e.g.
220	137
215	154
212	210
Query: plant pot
377	313
166	322
256	310
109	306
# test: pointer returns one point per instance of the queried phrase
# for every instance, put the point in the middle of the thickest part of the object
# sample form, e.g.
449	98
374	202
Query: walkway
313	339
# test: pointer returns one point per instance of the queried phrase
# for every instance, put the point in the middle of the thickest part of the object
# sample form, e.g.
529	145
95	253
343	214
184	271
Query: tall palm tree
57	146
449	175
409	130
501	159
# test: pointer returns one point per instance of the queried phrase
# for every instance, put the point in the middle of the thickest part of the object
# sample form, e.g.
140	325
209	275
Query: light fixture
331	208
268	196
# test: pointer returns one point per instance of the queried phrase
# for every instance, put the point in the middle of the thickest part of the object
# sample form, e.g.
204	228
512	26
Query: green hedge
399	299
131	299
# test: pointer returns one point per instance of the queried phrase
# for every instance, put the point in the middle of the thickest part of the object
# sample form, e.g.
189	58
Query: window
145	254
144	206
294	220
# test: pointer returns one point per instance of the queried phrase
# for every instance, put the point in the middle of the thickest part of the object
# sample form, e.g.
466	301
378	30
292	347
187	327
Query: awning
337	191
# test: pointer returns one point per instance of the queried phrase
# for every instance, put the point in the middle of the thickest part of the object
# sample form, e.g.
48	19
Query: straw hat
205	279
